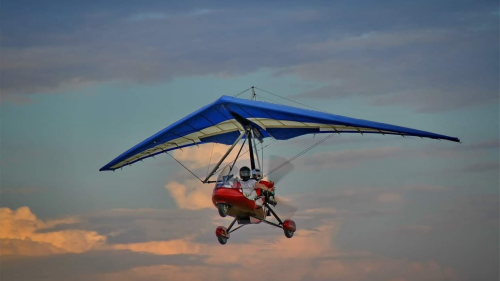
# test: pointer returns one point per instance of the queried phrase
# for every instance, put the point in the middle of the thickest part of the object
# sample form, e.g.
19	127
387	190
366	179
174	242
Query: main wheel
223	209
288	233
222	235
289	228
222	239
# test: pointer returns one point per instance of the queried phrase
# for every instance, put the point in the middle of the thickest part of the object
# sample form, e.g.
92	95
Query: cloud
480	145
383	269
389	197
470	210
25	190
416	229
148	16
480	168
349	158
21	225
310	254
192	195
196	157
412	76
92	265
128	226
27	247
425	187
165	16
426	57
171	247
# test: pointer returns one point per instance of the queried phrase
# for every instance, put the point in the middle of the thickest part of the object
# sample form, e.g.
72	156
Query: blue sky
83	82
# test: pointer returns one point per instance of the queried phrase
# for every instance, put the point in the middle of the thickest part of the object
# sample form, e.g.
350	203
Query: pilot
249	185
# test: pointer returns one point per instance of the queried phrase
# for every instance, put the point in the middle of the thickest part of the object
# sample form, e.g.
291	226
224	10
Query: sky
83	81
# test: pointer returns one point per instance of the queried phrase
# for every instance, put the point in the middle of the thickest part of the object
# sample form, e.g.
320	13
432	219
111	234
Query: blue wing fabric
215	123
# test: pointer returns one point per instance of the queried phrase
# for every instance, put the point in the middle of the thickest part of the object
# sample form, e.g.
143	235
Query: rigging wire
235	96
237	155
183	166
262	145
273	101
298	155
210	161
291	100
244	154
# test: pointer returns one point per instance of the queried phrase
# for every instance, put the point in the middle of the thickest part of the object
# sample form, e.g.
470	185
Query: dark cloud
415	230
469	211
85	266
480	168
465	149
424	69
429	56
23	190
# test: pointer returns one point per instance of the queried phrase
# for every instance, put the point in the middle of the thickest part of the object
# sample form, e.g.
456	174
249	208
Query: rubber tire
222	240
288	233
223	208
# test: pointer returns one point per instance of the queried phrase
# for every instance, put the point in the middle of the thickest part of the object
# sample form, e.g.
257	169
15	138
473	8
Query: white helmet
256	174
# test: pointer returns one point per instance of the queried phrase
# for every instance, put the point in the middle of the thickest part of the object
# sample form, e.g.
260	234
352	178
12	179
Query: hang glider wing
216	123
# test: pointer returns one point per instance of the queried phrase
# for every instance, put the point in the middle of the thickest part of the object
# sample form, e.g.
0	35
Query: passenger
256	174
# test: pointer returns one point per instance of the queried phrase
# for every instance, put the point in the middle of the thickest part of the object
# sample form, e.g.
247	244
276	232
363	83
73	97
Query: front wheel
222	239
288	233
289	228
223	209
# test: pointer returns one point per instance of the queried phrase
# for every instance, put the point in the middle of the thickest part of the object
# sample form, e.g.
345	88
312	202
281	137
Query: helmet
245	173
256	174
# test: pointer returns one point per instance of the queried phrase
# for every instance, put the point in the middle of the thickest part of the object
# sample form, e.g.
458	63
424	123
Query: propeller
279	169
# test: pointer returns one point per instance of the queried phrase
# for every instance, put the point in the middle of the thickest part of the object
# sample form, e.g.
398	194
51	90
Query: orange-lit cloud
309	255
171	247
192	194
199	156
20	235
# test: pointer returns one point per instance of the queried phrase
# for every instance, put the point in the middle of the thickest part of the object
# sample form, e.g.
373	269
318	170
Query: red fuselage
240	206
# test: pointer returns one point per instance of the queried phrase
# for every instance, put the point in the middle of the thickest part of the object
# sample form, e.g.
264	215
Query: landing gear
222	207
288	233
222	240
222	234
289	228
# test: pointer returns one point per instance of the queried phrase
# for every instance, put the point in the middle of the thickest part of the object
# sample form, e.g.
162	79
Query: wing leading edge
215	123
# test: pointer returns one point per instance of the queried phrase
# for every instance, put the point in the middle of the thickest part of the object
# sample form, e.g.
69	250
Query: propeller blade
279	168
282	169
284	209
